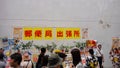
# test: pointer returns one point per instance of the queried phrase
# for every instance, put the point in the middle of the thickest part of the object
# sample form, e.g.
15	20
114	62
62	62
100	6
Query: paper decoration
48	33
84	33
5	41
91	43
27	33
8	53
115	42
10	42
37	33
60	33
17	33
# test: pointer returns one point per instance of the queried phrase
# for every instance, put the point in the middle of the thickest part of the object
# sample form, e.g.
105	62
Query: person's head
1	56
26	56
116	50
62	55
99	46
91	51
1	50
76	56
54	61
15	60
43	50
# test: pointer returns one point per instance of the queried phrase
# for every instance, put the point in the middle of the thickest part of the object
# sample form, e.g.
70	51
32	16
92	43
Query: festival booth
24	38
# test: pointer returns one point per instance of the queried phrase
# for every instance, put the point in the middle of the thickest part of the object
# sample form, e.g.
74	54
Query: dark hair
76	56
99	45
1	49
17	57
43	50
62	55
91	51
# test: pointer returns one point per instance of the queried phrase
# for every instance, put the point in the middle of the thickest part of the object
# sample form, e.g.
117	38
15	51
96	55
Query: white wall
63	13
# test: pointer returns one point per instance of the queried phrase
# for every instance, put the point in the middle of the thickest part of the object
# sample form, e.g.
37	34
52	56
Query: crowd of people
115	57
55	60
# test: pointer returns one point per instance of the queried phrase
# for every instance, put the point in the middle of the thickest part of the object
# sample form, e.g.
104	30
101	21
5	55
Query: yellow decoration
49	33
37	33
115	59
57	51
27	33
60	33
7	53
76	33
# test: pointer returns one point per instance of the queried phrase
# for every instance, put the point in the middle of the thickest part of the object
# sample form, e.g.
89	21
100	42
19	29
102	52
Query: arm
102	55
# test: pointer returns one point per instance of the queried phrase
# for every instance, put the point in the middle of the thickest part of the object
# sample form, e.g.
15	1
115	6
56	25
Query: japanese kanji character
76	33
59	33
38	33
48	33
69	33
28	33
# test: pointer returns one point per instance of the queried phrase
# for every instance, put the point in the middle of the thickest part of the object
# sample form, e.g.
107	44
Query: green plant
51	47
26	45
80	44
61	47
37	47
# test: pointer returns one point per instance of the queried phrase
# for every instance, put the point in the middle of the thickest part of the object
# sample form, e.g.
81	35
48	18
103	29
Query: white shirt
27	64
98	51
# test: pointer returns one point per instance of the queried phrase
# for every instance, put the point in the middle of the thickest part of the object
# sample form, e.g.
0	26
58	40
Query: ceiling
60	10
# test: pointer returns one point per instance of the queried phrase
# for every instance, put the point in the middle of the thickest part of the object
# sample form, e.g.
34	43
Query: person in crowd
91	60
54	61
42	59
26	62
15	60
76	58
2	61
100	56
63	56
115	58
2	51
